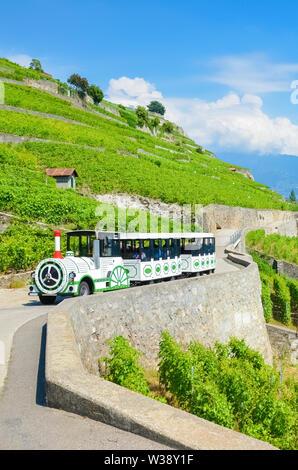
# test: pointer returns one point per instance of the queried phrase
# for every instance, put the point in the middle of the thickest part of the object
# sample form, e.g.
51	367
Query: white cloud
234	122
252	73
21	59
132	91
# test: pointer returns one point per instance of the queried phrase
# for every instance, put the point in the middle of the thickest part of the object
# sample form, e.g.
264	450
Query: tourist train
103	261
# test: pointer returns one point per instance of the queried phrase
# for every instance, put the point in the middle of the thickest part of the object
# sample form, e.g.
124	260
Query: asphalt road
25	421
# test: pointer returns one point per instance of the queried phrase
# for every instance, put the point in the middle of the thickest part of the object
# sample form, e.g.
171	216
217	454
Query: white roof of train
152	236
142	235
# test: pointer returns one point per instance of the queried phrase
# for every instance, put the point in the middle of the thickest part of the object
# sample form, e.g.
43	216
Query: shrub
266	297
123	366
283	299
96	93
279	246
168	127
293	288
231	386
142	115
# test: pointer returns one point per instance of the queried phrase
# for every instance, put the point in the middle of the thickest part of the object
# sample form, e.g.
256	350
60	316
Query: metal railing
235	238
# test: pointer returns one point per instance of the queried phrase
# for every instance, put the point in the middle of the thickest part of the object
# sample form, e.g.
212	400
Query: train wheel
84	288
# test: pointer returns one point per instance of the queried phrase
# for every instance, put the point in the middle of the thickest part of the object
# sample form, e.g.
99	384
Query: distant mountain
279	172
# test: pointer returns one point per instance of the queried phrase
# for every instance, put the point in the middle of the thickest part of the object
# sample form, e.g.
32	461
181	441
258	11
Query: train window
177	247
157	249
73	244
209	246
147	245
172	244
126	249
81	245
164	249
136	249
192	246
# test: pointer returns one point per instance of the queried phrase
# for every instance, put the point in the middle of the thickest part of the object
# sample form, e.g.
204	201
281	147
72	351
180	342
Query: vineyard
122	158
229	385
279	293
281	247
110	154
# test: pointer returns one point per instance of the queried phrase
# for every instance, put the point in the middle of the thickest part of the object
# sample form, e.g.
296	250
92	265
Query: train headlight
72	275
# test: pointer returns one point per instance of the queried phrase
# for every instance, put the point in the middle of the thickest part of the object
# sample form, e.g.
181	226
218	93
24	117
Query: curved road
25	421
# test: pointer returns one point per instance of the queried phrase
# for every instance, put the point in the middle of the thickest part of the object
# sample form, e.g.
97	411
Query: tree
81	84
96	93
142	115
168	127
156	107
35	65
153	124
292	196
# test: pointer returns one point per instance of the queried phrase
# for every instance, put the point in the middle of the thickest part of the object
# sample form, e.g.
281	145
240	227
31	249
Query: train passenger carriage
100	261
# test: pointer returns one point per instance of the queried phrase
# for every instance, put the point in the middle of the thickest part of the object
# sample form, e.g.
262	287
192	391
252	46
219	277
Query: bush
293	288
123	367
96	93
168	127
22	247
283	299
231	386
266	297
142	115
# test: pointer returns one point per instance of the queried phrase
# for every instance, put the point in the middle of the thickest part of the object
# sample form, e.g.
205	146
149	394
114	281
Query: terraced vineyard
109	153
281	247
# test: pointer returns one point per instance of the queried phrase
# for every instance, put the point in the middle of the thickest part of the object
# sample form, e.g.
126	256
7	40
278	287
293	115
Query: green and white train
102	261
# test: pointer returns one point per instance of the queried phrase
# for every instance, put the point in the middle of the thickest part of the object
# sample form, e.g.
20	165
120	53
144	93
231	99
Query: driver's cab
102	247
81	243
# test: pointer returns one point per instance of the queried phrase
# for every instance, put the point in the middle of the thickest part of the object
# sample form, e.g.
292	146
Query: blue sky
223	68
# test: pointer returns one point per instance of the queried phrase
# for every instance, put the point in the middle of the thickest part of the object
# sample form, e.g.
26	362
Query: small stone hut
65	177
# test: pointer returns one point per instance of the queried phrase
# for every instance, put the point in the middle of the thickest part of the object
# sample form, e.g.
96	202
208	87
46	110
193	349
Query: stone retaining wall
283	342
44	85
206	309
276	221
280	266
6	280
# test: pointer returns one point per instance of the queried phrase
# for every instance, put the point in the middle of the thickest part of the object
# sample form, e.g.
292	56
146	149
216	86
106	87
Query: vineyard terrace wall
224	217
206	309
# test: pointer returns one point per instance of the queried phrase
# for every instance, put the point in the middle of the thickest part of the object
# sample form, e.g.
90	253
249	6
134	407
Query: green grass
19	73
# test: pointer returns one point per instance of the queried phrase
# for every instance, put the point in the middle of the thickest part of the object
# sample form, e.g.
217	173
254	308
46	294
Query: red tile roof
61	172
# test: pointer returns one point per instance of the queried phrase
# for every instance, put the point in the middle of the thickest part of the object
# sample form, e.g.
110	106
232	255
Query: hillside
110	154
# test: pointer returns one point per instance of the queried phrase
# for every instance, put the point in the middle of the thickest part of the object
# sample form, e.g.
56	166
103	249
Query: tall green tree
35	65
80	83
96	93
156	107
142	115
292	196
